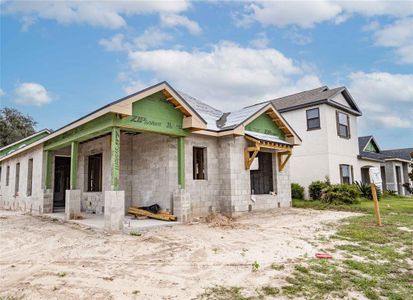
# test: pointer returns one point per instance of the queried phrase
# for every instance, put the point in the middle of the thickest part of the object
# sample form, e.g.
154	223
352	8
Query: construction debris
161	215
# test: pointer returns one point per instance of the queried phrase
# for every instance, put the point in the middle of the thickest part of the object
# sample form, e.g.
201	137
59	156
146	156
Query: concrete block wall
154	170
21	201
94	201
205	192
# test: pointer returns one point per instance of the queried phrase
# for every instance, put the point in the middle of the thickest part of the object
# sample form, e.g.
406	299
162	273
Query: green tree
14	126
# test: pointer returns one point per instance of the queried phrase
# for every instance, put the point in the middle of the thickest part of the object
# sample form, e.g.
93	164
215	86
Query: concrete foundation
182	205
114	210
72	204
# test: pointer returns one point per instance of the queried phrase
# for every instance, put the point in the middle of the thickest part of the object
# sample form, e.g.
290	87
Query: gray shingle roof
383	154
404	153
218	120
310	97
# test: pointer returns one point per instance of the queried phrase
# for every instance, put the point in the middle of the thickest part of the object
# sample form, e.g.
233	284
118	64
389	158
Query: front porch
113	171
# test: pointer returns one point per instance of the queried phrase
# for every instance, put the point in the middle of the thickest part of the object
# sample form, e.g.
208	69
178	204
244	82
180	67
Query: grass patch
135	233
369	260
223	293
374	258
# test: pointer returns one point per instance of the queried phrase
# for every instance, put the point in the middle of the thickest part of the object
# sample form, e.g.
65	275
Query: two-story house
326	121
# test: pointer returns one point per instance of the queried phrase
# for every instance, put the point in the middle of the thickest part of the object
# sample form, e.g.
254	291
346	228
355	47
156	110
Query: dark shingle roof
383	154
399	153
315	96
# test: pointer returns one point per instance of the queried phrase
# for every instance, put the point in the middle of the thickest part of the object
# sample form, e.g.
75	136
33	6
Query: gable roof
320	95
364	141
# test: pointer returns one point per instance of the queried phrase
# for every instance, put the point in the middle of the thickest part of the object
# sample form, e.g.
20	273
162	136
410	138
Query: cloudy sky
62	59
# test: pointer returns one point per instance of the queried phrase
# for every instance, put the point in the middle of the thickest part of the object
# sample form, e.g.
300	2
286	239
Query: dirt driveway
41	259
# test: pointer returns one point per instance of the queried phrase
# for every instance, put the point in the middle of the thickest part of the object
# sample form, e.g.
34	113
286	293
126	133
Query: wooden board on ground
164	216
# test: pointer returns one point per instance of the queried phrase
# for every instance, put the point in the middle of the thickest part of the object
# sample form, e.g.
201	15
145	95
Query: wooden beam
250	158
282	163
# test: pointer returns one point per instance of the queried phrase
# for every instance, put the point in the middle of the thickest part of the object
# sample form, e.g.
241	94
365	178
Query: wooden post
73	165
376	203
115	158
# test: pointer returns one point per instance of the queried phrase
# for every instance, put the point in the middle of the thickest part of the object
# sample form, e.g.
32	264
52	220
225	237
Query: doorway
398	180
262	177
61	182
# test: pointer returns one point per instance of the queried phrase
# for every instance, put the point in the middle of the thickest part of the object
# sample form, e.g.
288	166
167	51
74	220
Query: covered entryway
61	182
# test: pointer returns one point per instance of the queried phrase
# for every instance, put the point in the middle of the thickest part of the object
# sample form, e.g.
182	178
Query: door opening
61	182
398	180
262	177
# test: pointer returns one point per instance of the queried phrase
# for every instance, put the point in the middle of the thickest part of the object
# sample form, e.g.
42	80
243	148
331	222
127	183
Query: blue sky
61	60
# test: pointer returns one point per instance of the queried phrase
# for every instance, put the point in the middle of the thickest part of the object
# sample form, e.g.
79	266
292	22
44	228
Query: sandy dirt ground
42	259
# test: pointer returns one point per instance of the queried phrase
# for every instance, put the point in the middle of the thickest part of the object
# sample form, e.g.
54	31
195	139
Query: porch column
181	198
114	199
115	158
181	162
73	196
73	165
47	193
48	175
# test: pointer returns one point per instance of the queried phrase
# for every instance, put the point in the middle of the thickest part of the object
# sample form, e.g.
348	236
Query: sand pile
219	220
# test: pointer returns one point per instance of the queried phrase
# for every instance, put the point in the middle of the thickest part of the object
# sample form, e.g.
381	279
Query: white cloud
2	93
150	38
261	41
32	94
306	14
116	43
228	76
108	14
282	13
174	20
386	99
298	38
399	36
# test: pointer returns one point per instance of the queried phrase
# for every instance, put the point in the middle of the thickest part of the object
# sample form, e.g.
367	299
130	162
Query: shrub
390	193
316	189
297	191
341	194
365	190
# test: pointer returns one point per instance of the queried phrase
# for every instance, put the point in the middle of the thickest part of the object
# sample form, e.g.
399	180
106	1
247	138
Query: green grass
374	259
369	260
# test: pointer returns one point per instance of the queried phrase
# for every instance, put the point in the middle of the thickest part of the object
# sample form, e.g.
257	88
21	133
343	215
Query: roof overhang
269	109
369	158
397	159
192	120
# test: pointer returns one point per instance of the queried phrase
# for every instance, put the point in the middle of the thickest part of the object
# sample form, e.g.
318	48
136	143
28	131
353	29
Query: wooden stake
376	203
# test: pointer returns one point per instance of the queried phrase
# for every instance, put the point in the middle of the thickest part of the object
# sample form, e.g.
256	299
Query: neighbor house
155	146
394	164
326	121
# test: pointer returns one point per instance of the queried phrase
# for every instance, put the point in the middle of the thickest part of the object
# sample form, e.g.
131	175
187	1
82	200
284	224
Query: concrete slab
130	223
